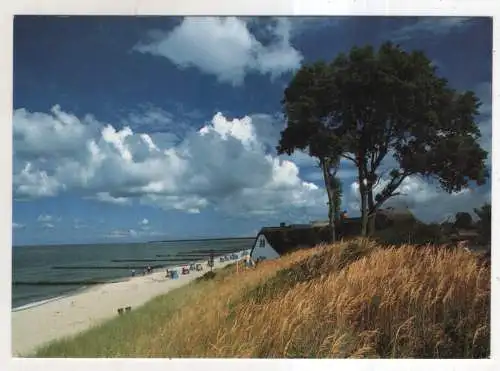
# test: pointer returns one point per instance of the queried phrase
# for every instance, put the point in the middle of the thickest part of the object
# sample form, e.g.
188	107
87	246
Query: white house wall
265	252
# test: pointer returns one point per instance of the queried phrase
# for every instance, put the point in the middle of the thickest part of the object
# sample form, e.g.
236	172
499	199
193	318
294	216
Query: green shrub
210	275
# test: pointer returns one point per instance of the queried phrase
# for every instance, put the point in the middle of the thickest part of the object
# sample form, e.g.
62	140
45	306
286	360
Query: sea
42	273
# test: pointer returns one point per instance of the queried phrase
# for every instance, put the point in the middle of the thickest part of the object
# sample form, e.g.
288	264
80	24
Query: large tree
371	104
307	114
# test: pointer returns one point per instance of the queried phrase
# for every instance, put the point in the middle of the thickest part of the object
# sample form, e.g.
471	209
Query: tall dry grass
352	299
396	302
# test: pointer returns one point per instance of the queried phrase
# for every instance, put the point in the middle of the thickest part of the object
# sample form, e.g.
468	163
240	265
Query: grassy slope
353	299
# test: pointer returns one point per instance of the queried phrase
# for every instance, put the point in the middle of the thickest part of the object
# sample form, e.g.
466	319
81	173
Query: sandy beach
65	316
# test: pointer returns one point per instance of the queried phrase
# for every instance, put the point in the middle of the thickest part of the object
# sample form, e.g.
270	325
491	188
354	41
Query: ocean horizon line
194	239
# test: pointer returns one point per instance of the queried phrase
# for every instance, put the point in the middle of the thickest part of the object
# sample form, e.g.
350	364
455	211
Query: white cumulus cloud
226	165
225	47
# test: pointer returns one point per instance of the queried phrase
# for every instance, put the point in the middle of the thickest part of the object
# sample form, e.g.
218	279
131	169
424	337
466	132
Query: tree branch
381	156
350	158
379	177
392	186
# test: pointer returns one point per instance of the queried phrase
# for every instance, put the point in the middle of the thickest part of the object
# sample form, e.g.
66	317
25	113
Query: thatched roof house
385	218
273	242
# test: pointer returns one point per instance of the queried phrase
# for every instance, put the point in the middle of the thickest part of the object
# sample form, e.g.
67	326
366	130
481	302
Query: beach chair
120	311
128	309
199	267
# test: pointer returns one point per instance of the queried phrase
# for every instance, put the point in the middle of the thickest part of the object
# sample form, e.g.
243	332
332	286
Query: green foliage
307	111
448	227
428	233
414	233
484	222
463	220
207	276
371	103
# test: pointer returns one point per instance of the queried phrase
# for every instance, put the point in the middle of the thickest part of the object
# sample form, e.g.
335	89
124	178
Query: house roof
288	238
389	213
285	239
384	218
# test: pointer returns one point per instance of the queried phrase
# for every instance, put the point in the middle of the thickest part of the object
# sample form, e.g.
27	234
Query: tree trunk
363	196
330	193
371	224
371	211
364	211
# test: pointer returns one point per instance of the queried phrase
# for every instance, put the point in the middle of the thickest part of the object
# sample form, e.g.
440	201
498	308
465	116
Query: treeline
477	231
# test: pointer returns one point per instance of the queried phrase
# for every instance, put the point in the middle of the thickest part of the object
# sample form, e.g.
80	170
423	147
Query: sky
146	128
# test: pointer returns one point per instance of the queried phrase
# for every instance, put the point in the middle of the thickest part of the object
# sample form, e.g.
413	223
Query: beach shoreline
38	323
72	292
56	296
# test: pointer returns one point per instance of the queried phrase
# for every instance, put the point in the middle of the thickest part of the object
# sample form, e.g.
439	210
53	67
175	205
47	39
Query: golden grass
351	299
